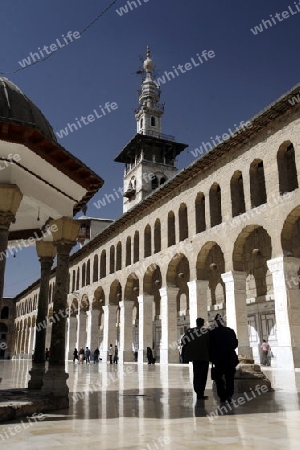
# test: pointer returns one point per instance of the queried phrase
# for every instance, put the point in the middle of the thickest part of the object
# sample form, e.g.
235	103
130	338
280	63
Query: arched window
112	259
103	264
258	192
128	251
88	273
163	180
95	268
147	241
287	170
77	279
141	123
119	256
157	236
200	212
237	194
83	275
154	183
136	247
4	312
183	222
171	229
215	205
152	121
73	281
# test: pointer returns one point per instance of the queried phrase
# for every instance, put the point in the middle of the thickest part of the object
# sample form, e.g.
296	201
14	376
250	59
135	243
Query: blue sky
247	73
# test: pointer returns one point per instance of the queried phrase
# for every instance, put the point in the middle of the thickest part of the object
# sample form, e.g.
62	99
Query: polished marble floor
154	408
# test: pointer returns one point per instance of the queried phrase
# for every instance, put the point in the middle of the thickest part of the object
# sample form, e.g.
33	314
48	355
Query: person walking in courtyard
266	349
223	342
87	354
116	353
75	355
96	355
195	348
81	355
151	359
110	353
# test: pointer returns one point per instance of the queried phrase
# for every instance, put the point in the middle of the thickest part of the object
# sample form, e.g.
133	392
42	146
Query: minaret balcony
129	193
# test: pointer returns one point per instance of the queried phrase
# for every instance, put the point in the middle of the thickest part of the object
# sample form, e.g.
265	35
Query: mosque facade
220	236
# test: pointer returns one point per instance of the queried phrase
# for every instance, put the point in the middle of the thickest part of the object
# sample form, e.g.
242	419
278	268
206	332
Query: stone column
55	379
236	308
10	199
110	329
198	300
169	339
72	323
287	309
125	353
94	331
145	325
81	329
46	252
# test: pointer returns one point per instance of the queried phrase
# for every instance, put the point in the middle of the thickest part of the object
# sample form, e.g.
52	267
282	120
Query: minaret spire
149	112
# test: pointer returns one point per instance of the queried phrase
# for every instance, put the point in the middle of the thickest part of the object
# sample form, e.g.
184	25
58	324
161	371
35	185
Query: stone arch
131	290
287	170
258	193
210	265
115	293
215	205
152	282
183	222
178	271
157	236
171	229
84	303
99	298
252	250
237	194
290	234
200	213
74	307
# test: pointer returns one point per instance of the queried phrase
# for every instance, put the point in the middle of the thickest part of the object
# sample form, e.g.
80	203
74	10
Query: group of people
216	344
85	355
113	352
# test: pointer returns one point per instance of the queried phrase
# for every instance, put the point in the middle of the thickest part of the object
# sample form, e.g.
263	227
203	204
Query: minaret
150	156
149	112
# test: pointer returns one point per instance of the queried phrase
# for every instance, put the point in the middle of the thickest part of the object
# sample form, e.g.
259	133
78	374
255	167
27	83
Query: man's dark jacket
195	345
223	342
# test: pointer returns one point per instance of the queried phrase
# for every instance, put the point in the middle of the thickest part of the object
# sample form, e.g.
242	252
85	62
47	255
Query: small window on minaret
154	183
141	124
152	121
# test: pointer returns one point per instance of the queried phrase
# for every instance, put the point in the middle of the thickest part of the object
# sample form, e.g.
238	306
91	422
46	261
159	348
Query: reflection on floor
153	408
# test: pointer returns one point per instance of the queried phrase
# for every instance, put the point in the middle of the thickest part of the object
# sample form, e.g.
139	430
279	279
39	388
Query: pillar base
55	382
36	373
286	357
126	356
169	356
141	356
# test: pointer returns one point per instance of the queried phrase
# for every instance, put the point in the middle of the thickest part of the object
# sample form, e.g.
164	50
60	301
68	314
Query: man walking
87	355
223	342
196	349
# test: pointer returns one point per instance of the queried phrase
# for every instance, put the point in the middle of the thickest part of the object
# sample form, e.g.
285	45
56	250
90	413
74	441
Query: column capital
198	283
282	262
145	297
45	249
10	199
126	303
168	290
233	275
6	218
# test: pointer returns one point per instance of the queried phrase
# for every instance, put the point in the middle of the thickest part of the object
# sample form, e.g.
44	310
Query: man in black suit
223	342
196	349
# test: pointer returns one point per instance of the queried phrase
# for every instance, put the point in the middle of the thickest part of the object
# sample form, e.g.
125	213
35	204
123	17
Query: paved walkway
153	408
